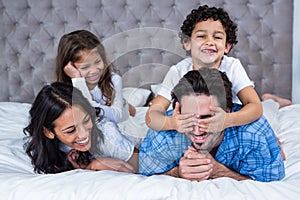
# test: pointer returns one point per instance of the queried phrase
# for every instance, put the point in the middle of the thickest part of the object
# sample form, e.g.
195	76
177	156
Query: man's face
200	105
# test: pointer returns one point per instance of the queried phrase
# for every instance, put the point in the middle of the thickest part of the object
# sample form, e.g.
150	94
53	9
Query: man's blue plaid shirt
250	150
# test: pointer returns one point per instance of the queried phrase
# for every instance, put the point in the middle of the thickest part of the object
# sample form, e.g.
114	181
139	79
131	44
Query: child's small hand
72	157
183	123
216	123
71	71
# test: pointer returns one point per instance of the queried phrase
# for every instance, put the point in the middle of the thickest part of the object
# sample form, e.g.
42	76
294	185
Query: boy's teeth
207	51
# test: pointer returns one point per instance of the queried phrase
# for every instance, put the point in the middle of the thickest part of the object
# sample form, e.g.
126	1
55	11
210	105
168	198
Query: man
244	152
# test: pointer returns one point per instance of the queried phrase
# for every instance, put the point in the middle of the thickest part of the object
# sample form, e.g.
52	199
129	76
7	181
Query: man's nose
197	130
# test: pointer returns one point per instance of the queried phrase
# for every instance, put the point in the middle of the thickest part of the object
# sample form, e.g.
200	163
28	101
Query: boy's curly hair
204	13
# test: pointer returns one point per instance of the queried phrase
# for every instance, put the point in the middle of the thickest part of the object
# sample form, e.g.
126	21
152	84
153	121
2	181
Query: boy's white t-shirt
231	66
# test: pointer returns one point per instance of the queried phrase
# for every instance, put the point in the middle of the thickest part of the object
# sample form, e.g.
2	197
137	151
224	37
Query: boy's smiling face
207	44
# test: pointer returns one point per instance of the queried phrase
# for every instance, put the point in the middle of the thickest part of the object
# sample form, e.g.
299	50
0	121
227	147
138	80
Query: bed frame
141	38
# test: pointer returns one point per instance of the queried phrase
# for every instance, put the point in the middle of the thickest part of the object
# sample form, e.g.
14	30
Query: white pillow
136	96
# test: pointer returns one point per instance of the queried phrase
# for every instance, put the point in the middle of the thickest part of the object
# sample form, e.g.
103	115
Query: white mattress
18	181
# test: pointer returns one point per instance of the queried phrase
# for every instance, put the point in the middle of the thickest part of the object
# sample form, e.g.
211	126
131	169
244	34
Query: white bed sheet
18	181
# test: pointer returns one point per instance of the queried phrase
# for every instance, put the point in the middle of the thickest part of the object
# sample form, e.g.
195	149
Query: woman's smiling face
74	128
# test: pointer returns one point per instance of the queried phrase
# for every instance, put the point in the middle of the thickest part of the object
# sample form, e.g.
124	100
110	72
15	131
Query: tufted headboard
141	38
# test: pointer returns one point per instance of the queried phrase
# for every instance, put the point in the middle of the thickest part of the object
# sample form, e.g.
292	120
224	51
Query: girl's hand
183	123
216	123
72	71
113	164
72	157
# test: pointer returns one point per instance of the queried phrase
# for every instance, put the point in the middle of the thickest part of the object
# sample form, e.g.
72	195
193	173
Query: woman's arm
113	164
98	164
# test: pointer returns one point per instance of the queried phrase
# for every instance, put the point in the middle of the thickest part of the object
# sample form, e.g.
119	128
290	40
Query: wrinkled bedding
18	181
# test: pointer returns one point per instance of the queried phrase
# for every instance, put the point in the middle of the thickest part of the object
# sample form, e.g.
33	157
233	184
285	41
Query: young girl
81	60
64	135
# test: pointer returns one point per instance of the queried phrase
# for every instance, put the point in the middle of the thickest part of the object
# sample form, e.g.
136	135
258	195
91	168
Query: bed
141	39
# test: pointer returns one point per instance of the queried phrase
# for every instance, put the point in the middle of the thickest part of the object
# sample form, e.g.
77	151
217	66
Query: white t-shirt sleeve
170	80
236	74
175	73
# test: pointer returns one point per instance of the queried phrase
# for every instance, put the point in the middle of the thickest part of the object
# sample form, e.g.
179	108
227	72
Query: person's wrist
228	120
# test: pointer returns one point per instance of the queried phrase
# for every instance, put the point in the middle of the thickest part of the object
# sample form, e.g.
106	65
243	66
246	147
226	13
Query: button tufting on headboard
141	38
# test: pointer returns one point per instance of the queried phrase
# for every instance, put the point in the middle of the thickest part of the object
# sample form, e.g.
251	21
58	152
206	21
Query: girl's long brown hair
69	48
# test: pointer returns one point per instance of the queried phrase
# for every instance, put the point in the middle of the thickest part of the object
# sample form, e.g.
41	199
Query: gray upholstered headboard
140	37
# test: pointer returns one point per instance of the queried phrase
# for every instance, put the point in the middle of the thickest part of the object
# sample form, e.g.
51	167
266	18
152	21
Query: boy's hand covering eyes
213	123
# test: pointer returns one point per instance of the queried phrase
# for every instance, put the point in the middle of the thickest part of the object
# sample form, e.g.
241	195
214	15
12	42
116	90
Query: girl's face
73	128
90	67
207	44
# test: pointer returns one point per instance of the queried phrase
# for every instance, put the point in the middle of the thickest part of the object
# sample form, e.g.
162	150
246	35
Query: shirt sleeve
80	84
240	77
171	79
237	75
160	151
115	111
260	157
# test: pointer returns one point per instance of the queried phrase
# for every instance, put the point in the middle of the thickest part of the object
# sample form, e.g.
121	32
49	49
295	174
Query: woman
64	135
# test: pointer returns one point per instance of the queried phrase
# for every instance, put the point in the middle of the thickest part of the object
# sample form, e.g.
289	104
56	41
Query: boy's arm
251	111
155	116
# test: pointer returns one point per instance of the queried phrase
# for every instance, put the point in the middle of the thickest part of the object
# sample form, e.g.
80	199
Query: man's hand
195	166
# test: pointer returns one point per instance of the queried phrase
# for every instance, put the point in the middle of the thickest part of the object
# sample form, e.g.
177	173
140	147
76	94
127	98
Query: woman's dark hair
208	81
69	48
48	105
203	13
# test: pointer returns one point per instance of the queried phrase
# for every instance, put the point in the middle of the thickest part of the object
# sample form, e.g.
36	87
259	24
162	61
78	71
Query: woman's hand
72	157
183	123
72	71
113	164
